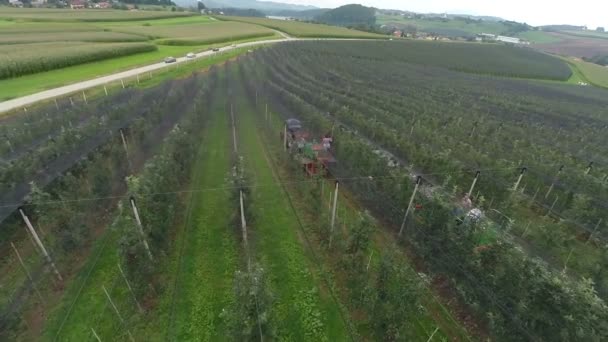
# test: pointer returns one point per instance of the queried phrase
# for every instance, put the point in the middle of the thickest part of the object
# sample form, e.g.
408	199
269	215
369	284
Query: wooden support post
124	142
535	193
409	206
71	102
553	182
105	90
124	276
333	214
285	137
25	109
10	146
369	261
56	104
589	168
122	321
137	76
141	228
526	229
27	273
150	74
84	97
594	230
39	243
567	260
244	231
95	335
521	175
123	83
234	144
433	334
266	111
473	129
473	185
552	206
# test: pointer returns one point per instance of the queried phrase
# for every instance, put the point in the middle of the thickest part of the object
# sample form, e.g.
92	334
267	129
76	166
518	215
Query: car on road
215	49
233	45
170	60
190	55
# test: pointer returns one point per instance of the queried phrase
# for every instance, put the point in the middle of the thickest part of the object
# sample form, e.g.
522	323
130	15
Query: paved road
100	81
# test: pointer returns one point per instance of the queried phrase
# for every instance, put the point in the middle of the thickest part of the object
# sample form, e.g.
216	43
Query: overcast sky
534	12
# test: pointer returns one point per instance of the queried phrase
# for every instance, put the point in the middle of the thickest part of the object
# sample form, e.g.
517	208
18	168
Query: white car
190	55
233	45
170	60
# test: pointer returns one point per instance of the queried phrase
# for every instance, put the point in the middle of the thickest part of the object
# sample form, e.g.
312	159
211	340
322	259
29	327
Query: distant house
16	3
77	4
398	33
103	5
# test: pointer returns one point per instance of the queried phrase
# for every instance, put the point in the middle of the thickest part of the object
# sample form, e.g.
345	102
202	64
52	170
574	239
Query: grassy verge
594	74
303	309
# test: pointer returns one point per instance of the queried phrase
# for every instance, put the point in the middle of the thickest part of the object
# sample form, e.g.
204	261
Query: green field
539	37
92	36
301	29
23	59
90	15
591	73
494	59
197	34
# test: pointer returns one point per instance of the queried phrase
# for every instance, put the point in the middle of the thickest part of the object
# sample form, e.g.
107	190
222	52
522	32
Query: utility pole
39	243
473	185
409	206
141	228
554	180
333	214
521	175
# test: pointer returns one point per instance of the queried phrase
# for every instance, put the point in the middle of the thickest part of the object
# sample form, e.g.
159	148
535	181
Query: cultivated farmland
93	36
494	59
300	29
87	15
451	202
198	34
23	59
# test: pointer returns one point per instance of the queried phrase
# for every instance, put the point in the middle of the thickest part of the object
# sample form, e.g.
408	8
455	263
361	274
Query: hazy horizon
591	13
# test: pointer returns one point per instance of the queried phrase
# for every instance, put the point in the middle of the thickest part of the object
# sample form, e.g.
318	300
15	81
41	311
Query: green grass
91	15
299	300
589	72
301	29
162	22
197	34
210	252
539	37
587	34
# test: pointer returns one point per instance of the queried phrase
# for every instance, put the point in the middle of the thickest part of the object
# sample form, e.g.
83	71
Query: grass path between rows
303	310
209	260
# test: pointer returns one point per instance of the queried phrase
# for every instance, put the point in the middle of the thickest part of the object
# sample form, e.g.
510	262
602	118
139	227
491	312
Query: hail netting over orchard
73	165
446	126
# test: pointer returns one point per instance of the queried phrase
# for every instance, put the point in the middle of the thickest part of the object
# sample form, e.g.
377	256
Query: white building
504	39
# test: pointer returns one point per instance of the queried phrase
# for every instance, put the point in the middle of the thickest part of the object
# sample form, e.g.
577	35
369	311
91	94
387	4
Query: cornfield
91	15
199	34
23	59
95	36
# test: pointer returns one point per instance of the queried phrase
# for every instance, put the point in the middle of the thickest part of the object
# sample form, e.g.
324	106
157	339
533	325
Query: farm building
504	39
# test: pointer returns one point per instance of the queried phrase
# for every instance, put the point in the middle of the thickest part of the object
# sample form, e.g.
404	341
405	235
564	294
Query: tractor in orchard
315	156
